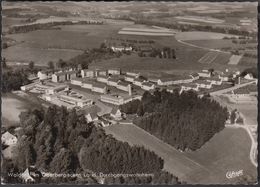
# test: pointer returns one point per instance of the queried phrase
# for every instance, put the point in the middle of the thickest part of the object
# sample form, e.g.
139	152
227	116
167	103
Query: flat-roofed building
130	78
29	86
76	81
103	79
148	86
112	99
204	73
56	89
87	73
133	74
175	80
75	100
204	84
100	88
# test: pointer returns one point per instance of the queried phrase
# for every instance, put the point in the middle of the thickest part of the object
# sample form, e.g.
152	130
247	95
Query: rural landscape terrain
129	93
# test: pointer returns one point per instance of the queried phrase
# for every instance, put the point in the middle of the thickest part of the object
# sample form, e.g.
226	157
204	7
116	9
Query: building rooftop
114	110
114	79
148	84
175	78
195	74
123	83
202	82
192	85
98	85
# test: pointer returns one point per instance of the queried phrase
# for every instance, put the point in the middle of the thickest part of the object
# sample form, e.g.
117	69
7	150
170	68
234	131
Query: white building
76	81
8	139
29	86
130	78
190	86
103	79
249	76
91	117
147	86
121	48
133	74
204	73
114	71
56	89
87	73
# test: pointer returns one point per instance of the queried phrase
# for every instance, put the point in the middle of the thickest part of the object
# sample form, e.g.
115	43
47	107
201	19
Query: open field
146	31
197	35
207	165
200	19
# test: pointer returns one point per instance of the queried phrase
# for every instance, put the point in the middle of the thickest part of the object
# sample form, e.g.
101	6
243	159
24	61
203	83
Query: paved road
219	92
178	163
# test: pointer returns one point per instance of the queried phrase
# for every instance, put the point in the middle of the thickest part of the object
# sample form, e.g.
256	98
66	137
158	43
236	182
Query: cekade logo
233	174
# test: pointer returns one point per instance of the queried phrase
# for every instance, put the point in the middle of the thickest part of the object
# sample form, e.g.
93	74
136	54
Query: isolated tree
51	65
31	65
4	63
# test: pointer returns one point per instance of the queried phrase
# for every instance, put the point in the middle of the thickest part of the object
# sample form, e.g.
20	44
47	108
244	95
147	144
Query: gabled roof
195	74
7	135
123	83
138	80
175	78
114	79
148	84
114	110
99	85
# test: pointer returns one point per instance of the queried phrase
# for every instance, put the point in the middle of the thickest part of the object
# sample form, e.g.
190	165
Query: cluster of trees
60	141
196	27
13	79
38	26
252	70
133	40
184	121
166	52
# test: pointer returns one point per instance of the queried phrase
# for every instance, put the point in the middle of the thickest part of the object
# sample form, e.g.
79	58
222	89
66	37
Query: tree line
57	140
185	121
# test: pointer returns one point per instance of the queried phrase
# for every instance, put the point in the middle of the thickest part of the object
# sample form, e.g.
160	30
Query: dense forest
60	141
184	121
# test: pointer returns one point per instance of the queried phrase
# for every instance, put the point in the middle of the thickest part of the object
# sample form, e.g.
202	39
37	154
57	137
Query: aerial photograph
129	93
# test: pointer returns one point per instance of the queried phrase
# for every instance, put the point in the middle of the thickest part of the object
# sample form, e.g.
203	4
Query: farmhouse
225	77
87	84
44	74
116	113
75	100
87	73
91	117
138	82
102	78
113	81
204	73
100	88
113	99
124	86
76	81
26	177
204	84
147	86
104	122
114	71
195	76
249	76
214	80
8	139
174	80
